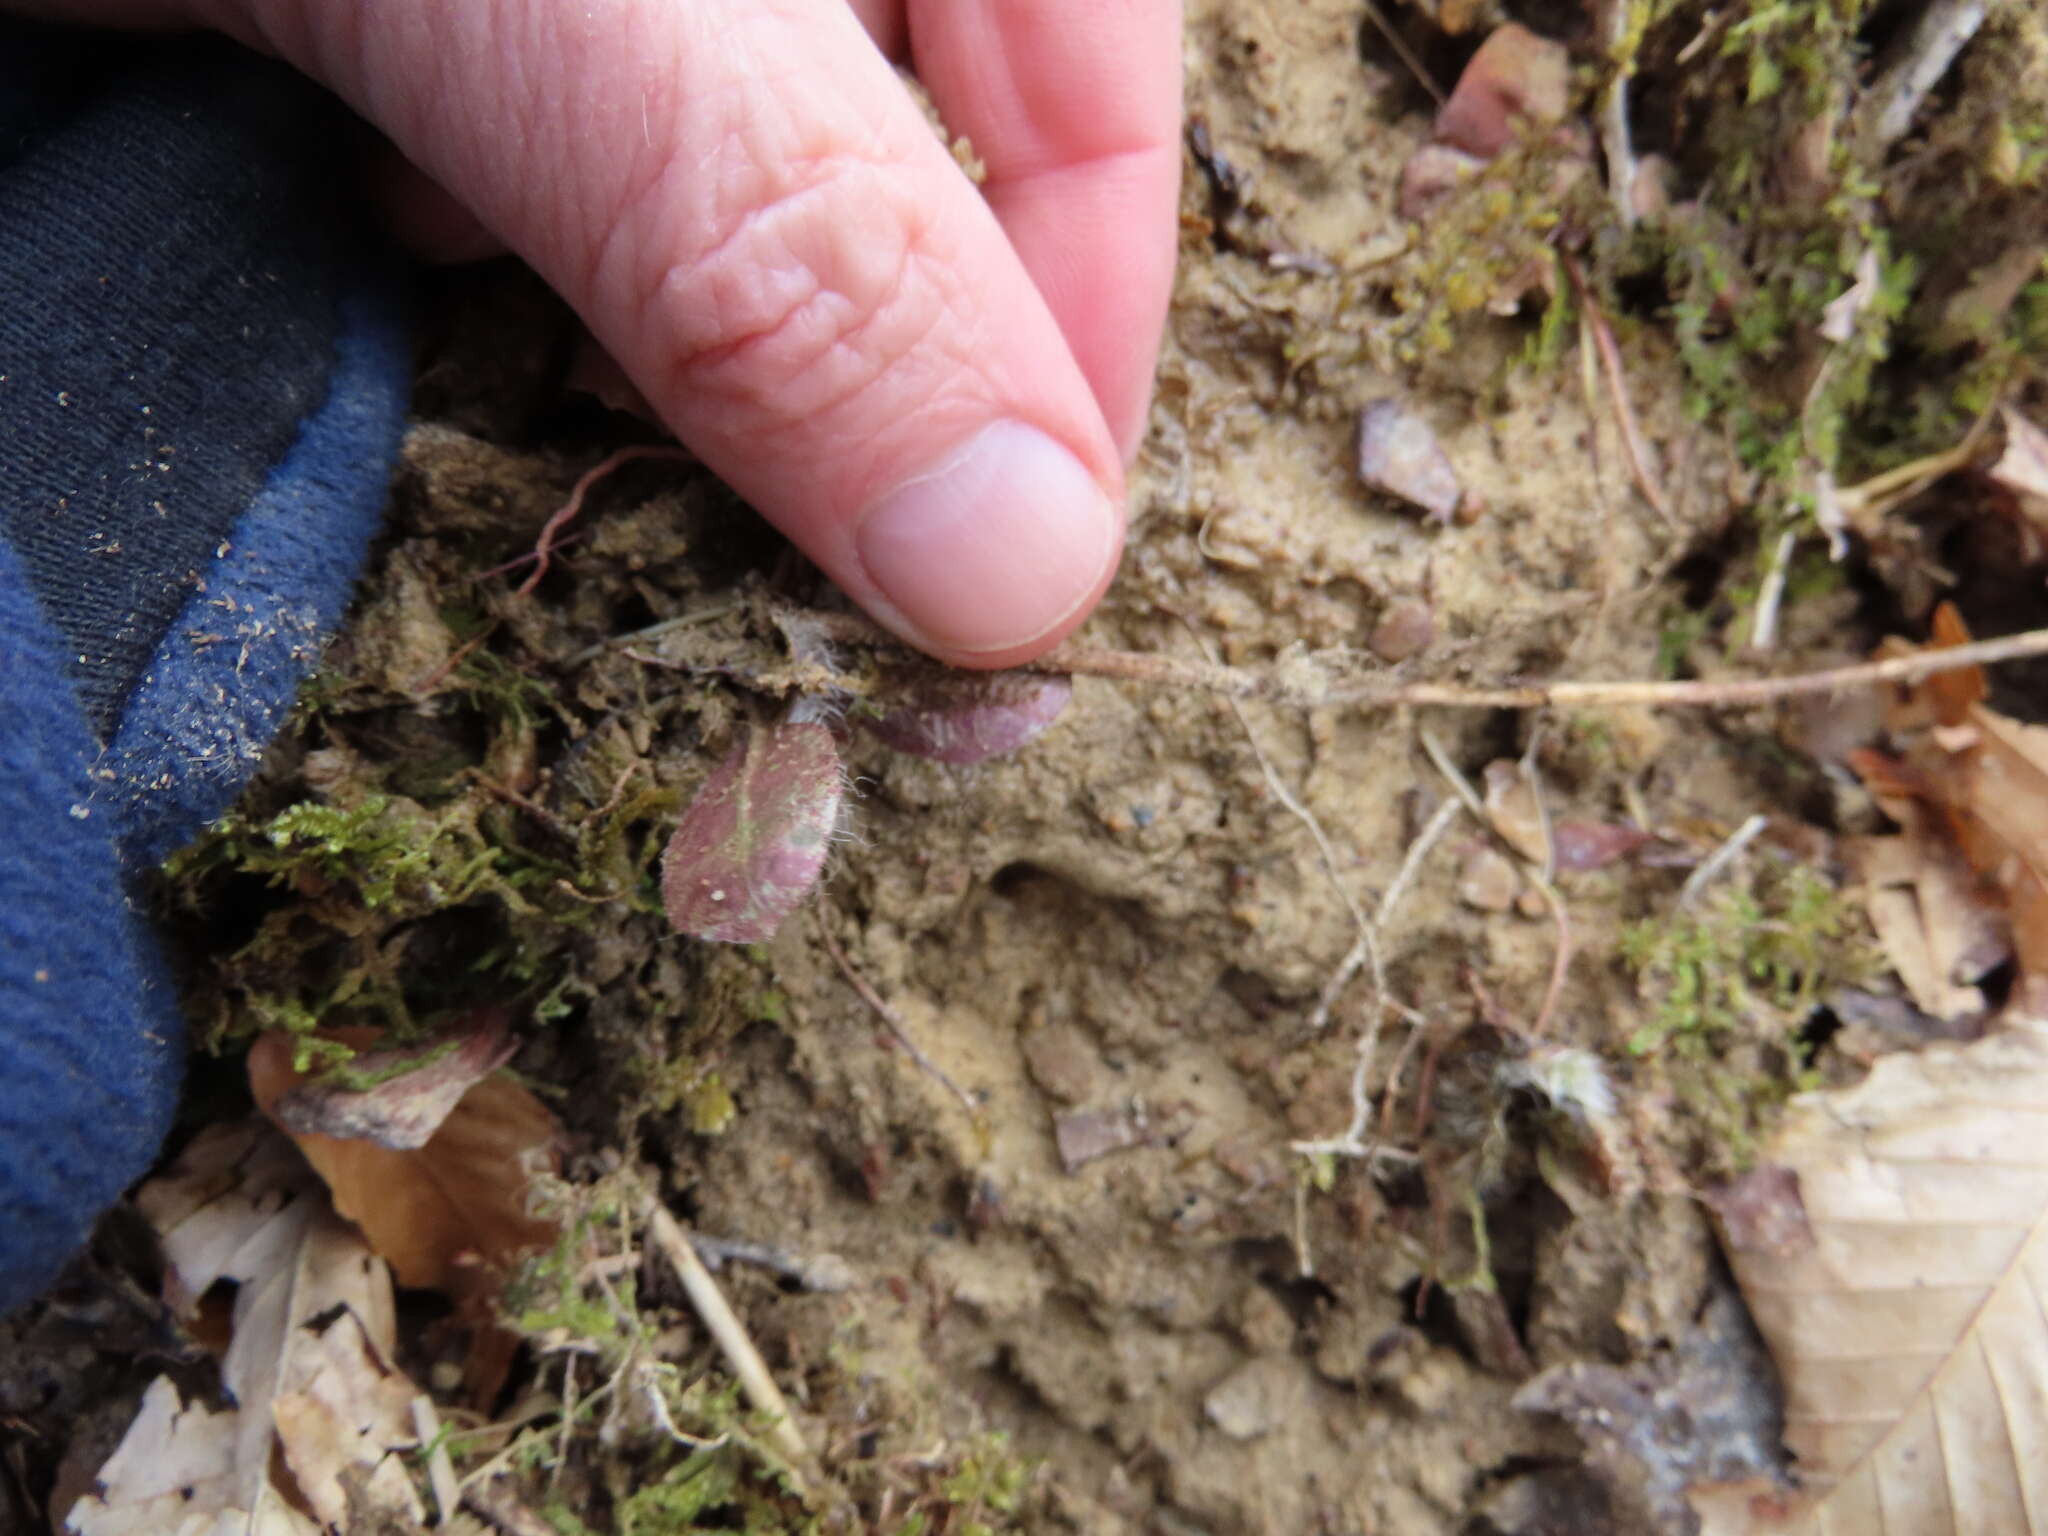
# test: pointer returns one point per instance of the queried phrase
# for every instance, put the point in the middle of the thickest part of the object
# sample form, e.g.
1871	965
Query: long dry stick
729	1334
1318	682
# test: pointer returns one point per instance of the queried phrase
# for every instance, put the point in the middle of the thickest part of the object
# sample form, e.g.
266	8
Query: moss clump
1728	983
1487	242
381	849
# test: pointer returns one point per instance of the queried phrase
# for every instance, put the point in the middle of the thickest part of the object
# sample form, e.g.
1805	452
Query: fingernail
995	546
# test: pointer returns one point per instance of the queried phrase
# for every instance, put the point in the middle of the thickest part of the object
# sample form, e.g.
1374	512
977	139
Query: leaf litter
1893	1244
319	1418
310	1228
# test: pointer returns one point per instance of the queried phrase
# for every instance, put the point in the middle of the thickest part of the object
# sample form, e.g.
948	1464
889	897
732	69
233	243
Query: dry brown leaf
1985	777
452	1215
307	1364
447	1216
1911	1332
1939	927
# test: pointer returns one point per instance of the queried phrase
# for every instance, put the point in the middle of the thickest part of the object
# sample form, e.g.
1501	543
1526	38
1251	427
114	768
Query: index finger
1074	106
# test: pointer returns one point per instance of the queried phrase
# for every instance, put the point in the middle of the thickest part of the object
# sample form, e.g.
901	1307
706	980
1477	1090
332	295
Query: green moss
354	1078
990	1481
1490	237
1726	985
710	1105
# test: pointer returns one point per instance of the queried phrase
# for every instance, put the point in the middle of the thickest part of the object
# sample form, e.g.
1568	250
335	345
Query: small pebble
1399	454
1516	79
1257	1397
1488	882
1405	629
1062	1060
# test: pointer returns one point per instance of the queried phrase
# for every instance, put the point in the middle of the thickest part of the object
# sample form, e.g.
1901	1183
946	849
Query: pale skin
931	388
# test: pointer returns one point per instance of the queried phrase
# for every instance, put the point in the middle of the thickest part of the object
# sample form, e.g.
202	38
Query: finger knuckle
804	300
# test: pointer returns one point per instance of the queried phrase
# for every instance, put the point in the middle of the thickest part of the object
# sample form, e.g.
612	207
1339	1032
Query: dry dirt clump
1276	1119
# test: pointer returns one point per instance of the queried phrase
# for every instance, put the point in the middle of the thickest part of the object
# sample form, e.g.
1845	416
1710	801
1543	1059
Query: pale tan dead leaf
447	1216
342	1407
313	1335
2023	466
1939	927
1911	1333
175	1474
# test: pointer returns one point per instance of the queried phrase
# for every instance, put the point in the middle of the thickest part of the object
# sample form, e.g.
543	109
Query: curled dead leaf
450	1215
398	1098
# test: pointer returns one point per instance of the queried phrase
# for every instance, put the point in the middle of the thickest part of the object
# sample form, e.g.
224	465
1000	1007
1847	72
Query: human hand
929	390
747	209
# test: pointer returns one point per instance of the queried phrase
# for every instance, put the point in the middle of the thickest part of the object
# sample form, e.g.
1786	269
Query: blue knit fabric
223	681
90	1038
203	375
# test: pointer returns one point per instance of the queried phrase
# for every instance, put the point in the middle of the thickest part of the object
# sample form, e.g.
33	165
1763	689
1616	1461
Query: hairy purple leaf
964	717
753	843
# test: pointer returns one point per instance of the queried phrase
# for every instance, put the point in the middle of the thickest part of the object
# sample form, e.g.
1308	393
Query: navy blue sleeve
203	376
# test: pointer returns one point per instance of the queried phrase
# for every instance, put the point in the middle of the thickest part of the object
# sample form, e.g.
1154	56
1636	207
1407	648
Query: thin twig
891	1019
1430	835
426	1423
1353	1142
1406	54
1366	947
1393	1089
1318	682
612	801
1763	632
731	1337
1560	957
1532	775
543	547
1720	859
1615	16
1367	943
1869	499
1943	30
1624	412
814	1272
